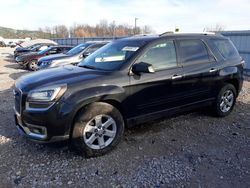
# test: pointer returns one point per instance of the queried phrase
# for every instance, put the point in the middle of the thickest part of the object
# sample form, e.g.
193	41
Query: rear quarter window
193	51
226	48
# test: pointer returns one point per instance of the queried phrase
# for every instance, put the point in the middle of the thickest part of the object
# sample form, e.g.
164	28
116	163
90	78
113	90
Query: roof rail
201	33
142	35
166	33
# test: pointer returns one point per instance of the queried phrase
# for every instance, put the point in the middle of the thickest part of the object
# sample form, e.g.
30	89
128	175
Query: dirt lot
189	150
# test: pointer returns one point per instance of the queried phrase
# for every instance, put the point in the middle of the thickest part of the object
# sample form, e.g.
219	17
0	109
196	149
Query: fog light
36	129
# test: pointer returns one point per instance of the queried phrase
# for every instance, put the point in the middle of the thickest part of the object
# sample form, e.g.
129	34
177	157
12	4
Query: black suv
126	82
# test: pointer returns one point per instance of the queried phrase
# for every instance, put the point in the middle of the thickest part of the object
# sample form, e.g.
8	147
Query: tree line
103	28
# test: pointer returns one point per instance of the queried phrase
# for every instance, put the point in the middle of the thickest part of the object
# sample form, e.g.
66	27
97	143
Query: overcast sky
161	15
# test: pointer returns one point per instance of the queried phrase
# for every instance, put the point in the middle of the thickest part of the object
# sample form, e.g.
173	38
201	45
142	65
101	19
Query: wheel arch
82	107
235	82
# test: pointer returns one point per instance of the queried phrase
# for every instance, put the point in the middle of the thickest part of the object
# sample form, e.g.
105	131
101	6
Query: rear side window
193	51
226	48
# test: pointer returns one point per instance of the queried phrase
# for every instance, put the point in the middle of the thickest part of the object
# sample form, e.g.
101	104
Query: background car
74	56
33	48
12	44
30	60
2	44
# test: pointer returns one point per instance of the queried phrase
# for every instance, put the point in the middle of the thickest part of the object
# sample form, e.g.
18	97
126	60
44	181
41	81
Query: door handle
174	77
212	70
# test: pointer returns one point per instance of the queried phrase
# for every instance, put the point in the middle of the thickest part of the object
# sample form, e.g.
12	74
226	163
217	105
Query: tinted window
161	55
46	50
226	48
64	50
43	48
78	49
193	51
53	51
93	48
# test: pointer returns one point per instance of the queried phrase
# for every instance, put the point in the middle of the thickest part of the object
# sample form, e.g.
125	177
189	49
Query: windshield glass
77	49
111	56
45	50
34	47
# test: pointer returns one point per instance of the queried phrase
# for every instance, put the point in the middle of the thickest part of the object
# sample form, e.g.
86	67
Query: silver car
73	56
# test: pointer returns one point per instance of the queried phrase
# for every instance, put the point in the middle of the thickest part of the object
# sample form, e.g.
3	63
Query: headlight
47	94
46	63
17	58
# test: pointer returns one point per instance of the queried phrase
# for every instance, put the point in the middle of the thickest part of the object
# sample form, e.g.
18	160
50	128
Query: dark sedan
33	48
30	60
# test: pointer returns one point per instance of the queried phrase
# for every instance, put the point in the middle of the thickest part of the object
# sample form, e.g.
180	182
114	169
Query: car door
200	69
154	92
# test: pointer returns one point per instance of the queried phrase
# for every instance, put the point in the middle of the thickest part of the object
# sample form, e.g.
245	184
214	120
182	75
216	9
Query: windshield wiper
87	66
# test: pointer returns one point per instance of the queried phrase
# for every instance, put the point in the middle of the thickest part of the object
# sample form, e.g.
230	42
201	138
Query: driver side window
53	51
161	55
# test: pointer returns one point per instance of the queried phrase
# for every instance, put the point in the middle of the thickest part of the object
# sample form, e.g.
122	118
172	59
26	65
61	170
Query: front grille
18	100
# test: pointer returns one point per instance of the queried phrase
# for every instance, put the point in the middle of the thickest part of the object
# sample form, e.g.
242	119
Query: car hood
65	74
27	56
53	57
22	50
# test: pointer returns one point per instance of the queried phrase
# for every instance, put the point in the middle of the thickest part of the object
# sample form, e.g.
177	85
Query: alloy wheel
99	132
33	65
227	100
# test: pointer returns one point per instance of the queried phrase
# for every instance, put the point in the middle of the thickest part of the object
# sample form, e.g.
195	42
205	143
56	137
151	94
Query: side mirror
85	54
142	68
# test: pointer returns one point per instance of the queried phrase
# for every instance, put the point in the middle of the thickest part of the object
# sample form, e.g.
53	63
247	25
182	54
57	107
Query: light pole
135	25
113	29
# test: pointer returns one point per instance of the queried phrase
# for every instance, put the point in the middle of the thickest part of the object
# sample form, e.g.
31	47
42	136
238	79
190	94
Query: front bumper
37	132
19	61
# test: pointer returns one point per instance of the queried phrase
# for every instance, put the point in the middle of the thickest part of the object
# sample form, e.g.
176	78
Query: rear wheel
32	65
225	100
97	130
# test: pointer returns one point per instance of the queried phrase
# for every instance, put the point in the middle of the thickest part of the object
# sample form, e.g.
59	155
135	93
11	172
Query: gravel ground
190	150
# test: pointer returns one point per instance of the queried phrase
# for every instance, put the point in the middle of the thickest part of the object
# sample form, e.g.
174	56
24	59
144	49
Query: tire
225	101
32	65
91	137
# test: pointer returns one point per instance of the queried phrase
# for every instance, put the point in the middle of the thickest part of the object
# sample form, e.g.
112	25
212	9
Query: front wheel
32	65
97	130
225	100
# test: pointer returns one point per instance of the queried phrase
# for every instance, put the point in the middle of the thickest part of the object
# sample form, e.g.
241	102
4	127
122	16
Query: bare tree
147	30
103	28
216	28
60	31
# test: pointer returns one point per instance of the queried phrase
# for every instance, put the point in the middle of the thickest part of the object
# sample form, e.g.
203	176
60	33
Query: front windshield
45	50
33	47
111	56
77	49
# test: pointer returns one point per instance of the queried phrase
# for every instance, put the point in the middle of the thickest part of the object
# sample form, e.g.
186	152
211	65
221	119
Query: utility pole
113	32
135	25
